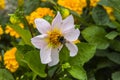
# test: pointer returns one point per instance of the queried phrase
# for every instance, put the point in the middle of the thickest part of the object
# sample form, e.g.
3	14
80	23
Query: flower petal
54	56
72	48
57	20
38	41
45	55
72	34
68	23
42	25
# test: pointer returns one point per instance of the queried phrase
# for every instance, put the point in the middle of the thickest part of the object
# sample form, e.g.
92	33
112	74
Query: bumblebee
61	39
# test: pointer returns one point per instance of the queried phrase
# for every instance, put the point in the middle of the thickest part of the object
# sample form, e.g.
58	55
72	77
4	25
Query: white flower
54	36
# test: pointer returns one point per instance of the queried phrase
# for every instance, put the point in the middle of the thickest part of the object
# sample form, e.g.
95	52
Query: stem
54	74
29	26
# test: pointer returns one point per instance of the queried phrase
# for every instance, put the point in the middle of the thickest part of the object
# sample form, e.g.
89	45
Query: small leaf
5	75
115	57
85	53
78	73
116	76
100	16
112	35
115	44
96	35
117	15
113	24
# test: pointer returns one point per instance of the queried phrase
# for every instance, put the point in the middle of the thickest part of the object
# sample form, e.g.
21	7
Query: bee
61	39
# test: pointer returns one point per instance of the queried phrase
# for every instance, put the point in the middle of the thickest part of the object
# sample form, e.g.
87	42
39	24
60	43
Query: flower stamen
53	36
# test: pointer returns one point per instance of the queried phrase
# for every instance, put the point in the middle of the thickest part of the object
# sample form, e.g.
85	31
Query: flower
1	30
0	58
43	0
40	13
12	32
75	5
10	61
54	36
2	4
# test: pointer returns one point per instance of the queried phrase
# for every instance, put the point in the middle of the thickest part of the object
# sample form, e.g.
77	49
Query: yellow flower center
53	38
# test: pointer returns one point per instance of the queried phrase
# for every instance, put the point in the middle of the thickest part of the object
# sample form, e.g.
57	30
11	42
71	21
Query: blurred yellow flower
43	0
39	13
0	58
11	31
2	4
109	10
1	30
20	2
75	5
10	60
93	3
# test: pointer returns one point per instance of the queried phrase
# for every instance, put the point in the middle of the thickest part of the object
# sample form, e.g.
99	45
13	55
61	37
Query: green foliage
96	36
78	72
26	55
25	34
112	35
115	57
115	44
100	16
5	75
32	59
64	55
116	75
85	53
98	56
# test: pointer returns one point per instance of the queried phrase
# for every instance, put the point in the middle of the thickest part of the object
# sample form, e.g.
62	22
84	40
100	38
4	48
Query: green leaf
115	44
115	57
100	16
25	34
112	35
27	55
117	15
65	78
32	59
78	73
85	53
5	75
64	55
96	35
114	25
21	51
116	75
112	56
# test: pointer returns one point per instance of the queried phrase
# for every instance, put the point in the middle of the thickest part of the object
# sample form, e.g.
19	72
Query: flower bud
65	66
14	19
65	12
